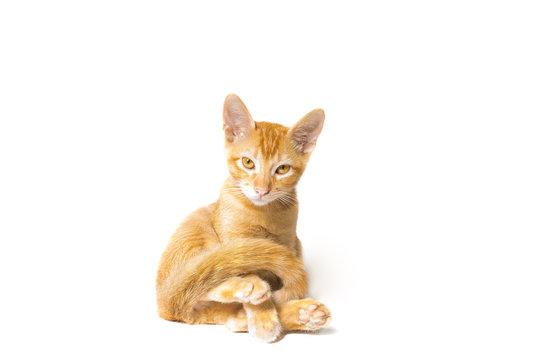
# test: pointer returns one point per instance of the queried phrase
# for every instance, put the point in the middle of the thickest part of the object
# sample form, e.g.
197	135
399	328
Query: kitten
238	261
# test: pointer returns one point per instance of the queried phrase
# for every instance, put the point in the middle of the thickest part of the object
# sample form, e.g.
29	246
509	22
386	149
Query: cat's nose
261	191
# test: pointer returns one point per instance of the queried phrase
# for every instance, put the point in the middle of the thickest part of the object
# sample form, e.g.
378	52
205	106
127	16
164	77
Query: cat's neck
237	216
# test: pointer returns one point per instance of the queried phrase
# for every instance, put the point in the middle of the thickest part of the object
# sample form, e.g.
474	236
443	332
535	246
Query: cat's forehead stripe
269	139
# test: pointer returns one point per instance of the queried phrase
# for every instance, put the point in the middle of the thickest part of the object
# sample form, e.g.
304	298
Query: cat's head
266	160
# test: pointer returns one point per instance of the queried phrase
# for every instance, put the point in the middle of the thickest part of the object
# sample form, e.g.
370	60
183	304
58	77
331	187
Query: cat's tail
178	294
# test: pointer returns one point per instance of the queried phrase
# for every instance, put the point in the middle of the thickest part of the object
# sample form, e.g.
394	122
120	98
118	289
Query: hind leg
232	315
262	320
215	313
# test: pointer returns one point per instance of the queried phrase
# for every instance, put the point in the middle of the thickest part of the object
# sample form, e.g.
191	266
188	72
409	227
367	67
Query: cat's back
194	236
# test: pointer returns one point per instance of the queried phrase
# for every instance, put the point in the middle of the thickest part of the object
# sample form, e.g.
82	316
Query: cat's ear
237	122
305	132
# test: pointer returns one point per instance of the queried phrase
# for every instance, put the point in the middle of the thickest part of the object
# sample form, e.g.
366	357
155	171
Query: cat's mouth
260	201
255	198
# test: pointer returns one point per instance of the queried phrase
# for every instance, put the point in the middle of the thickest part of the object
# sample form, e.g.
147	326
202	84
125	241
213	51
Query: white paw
314	316
265	332
253	291
236	324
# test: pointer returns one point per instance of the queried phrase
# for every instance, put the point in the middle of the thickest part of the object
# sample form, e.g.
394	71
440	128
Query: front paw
264	325
252	290
305	314
313	315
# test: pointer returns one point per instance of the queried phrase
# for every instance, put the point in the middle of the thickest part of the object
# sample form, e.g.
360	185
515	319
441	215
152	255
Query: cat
238	261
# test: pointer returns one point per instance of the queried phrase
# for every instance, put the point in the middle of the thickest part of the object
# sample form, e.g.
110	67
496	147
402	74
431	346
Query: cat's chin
259	202
255	199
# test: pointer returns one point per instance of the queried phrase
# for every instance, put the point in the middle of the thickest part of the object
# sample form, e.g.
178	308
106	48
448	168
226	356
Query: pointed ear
237	122
305	132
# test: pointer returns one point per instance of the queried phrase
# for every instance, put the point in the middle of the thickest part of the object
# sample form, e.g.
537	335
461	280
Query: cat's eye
283	169
248	163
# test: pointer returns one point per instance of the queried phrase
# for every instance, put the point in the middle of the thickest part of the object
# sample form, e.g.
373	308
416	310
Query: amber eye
283	169
248	163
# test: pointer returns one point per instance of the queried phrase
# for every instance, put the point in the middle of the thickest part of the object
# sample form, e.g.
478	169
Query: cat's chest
260	231
274	229
281	229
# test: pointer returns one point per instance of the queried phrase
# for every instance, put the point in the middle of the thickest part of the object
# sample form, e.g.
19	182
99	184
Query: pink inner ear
236	130
237	120
229	133
305	133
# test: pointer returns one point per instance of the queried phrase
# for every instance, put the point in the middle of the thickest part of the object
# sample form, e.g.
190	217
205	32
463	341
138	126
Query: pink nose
261	191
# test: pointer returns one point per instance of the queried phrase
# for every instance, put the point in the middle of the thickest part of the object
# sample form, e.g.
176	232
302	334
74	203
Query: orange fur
238	261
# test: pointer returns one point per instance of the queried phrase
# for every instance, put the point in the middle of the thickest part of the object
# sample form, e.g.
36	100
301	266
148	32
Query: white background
418	212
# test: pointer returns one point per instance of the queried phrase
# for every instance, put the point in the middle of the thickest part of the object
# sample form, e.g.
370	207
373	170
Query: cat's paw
252	290
264	325
237	322
314	316
310	315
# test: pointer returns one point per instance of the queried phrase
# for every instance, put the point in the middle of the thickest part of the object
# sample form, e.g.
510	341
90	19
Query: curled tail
179	293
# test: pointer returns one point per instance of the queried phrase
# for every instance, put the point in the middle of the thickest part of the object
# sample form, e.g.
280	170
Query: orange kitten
238	261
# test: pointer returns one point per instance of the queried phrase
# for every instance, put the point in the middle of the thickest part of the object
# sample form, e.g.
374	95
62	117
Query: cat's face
266	160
